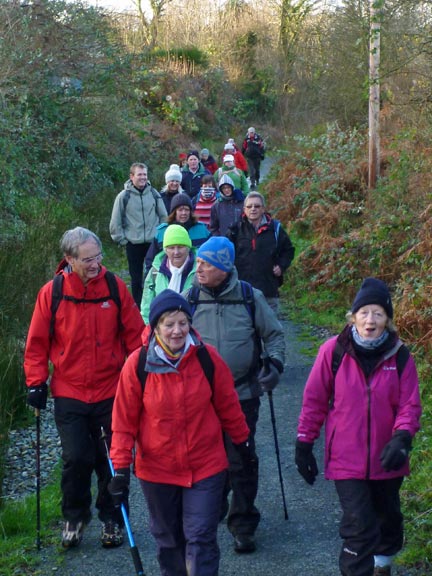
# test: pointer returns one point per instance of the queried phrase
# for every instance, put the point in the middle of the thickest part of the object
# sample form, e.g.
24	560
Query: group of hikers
173	373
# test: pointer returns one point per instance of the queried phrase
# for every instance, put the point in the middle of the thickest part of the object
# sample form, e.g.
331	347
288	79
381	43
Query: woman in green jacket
174	268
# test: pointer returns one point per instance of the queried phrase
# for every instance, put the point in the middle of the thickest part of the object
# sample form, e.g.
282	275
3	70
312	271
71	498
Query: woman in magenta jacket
371	413
175	427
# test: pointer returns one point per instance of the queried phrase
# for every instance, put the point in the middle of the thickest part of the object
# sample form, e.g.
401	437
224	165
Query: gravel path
307	542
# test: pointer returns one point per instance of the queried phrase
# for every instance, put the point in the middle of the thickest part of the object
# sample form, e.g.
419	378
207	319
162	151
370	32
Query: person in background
181	213
222	318
174	268
138	209
232	141
371	410
86	348
208	161
173	435
192	174
237	176
253	148
206	198
239	159
227	209
264	250
173	178
182	160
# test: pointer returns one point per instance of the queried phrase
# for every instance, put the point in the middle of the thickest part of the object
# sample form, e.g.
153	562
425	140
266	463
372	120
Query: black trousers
136	254
243	516
254	169
83	451
371	524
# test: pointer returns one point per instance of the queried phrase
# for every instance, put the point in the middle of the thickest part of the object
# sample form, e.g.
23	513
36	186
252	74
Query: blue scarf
368	344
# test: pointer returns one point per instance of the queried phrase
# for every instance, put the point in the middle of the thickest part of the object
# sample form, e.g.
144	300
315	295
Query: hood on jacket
237	195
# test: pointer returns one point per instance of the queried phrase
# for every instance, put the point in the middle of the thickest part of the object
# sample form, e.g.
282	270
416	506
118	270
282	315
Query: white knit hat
228	158
173	174
229	146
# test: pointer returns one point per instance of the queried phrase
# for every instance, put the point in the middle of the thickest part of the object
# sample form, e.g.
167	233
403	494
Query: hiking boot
72	534
382	571
244	544
112	535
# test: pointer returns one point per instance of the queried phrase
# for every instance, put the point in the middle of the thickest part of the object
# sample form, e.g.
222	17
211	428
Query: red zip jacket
88	348
176	426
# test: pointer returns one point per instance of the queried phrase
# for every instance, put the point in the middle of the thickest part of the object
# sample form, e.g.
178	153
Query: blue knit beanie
167	301
219	252
373	291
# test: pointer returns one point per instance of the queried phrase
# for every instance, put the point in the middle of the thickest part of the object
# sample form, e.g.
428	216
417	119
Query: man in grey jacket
138	210
236	319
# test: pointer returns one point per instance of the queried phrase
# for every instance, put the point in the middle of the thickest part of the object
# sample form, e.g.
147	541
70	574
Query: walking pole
273	421
133	549
38	518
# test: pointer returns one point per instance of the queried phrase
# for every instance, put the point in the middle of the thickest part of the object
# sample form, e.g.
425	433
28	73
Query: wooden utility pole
374	91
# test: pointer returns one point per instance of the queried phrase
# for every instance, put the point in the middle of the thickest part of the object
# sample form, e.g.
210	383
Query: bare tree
374	90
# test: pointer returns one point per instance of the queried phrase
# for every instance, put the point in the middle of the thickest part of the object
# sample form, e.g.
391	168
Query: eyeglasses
98	258
253	206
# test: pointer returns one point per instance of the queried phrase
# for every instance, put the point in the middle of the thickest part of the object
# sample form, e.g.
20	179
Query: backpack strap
204	358
248	299
124	202
126	198
337	355
58	296
276	225
206	364
141	371
402	356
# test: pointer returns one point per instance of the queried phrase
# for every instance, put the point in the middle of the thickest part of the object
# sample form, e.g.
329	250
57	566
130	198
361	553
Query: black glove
305	461
395	452
37	396
119	487
268	377
248	457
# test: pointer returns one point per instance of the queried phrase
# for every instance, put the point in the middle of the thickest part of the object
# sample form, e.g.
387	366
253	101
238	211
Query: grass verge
18	530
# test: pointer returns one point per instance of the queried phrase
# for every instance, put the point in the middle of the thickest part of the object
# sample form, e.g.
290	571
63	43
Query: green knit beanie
176	235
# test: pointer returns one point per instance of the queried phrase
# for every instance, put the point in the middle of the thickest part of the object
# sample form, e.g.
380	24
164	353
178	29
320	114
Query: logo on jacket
106	304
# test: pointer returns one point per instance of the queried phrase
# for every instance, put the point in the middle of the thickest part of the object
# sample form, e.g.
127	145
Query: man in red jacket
87	339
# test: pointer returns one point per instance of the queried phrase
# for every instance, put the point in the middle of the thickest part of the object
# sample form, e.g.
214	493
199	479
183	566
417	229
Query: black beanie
166	301
373	291
180	199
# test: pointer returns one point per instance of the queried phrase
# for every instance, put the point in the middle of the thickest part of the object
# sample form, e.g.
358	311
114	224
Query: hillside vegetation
84	93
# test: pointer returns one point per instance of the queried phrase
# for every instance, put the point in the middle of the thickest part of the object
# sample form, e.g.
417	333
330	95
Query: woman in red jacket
176	427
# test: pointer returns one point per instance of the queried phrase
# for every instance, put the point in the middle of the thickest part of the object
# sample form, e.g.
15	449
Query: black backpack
203	356
248	299
126	198
58	296
402	356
